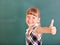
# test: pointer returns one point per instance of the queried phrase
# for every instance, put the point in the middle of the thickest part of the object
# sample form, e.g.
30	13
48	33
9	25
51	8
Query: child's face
31	20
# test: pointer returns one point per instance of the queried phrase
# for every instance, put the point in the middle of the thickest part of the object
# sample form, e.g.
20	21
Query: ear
38	19
38	22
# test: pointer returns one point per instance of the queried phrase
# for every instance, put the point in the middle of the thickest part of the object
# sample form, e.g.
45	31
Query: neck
30	26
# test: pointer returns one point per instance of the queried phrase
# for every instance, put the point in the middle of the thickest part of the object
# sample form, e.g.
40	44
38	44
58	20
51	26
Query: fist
53	28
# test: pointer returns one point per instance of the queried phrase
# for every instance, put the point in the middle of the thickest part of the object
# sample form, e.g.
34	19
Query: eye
33	17
28	17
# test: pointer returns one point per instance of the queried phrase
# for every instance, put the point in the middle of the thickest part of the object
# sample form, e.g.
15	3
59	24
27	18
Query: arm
45	29
41	30
51	29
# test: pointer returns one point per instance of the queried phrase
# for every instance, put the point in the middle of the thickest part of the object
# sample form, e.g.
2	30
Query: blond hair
33	11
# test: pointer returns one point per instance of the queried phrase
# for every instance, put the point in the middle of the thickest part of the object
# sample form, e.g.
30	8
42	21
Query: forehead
31	15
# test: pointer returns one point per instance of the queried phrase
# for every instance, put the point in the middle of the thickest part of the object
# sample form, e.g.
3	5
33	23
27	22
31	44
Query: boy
35	31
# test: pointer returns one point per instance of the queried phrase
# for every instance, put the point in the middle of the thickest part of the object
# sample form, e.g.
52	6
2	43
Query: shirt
33	39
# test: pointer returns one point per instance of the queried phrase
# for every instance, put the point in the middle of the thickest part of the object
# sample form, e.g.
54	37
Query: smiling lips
30	22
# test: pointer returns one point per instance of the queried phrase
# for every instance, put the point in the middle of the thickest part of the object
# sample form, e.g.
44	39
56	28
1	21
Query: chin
30	24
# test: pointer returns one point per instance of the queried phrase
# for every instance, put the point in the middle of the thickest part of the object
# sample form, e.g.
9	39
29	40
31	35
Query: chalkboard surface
12	20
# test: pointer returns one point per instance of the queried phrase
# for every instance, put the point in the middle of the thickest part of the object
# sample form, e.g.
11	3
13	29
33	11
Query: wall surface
12	20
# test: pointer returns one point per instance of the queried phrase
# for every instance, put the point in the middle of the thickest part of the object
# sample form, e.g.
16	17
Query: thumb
52	22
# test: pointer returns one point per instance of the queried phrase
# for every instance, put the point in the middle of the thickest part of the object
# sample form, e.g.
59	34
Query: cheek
34	21
26	20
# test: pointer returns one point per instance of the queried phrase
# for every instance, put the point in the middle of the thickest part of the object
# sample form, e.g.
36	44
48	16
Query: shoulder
26	31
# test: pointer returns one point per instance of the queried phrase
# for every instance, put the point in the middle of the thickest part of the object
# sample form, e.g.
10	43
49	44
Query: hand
53	28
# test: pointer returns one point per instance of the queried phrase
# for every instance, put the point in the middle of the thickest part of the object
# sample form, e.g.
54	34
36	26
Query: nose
30	20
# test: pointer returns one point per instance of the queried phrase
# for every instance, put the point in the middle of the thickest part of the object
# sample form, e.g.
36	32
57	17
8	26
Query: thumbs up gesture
53	28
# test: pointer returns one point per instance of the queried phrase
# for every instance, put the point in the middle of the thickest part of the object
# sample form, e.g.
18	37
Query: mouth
30	22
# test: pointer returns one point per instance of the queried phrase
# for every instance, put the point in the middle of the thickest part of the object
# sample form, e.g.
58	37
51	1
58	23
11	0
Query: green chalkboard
13	25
